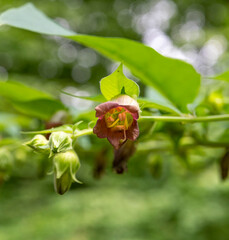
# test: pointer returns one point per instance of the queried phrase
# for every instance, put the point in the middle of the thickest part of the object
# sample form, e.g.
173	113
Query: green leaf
98	98
145	103
156	100
40	108
17	91
223	76
29	18
30	101
175	81
116	83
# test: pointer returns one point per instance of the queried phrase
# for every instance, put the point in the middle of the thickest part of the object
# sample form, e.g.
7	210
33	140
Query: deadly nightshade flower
117	120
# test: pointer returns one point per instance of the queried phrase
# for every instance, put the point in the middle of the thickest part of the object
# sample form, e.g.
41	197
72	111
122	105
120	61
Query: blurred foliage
172	188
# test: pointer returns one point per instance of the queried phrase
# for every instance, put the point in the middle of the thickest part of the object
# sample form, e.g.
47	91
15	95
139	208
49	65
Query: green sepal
59	142
117	83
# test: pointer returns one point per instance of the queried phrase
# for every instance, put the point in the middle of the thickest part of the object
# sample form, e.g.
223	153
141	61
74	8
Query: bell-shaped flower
117	120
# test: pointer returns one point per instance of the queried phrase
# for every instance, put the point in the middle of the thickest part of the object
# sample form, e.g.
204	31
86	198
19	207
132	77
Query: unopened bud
66	164
39	144
60	142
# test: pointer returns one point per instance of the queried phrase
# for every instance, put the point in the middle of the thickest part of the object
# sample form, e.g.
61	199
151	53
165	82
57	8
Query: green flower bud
60	142
66	164
39	144
6	163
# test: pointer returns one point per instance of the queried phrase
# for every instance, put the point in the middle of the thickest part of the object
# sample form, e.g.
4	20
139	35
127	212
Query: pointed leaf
223	76
145	103
98	98
117	82
29	18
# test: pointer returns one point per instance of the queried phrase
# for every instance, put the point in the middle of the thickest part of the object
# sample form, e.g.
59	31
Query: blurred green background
155	199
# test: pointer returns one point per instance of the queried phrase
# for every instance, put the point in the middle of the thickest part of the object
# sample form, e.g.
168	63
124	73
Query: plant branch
189	119
83	132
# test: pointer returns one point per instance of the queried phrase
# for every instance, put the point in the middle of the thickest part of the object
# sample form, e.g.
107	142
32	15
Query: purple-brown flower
117	120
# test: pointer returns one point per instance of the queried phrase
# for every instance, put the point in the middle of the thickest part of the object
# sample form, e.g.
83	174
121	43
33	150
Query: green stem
157	147
189	119
84	132
81	133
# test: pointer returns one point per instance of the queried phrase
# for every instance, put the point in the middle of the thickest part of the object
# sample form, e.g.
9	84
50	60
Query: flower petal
122	155
133	132
114	138
133	110
100	129
103	108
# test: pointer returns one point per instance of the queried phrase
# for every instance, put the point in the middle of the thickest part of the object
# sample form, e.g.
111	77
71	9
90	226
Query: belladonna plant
117	121
174	86
117	118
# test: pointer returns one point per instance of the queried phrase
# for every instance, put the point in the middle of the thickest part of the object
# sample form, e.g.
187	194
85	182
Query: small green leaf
98	98
146	103
223	76
116	83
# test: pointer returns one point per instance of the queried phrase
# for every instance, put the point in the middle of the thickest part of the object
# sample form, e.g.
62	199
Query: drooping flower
122	155
117	120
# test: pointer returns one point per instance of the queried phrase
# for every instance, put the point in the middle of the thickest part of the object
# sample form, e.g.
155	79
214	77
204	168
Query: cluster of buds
65	160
